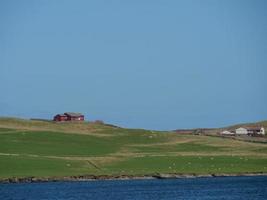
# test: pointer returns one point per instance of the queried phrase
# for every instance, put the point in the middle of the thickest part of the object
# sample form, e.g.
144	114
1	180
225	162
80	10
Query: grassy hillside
42	149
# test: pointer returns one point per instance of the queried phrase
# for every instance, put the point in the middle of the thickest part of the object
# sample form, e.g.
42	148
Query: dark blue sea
221	188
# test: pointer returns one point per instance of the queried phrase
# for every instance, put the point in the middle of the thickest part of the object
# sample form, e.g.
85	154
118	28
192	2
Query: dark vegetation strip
122	177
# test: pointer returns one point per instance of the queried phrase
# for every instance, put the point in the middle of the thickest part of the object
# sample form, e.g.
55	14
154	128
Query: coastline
121	177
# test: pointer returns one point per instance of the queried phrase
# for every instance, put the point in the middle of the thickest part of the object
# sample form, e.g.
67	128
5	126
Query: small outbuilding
226	132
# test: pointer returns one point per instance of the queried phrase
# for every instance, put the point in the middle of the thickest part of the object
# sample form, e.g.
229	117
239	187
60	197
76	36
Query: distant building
251	131
226	132
69	116
241	131
60	117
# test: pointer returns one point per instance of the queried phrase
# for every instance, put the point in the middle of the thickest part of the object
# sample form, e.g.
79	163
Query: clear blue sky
147	64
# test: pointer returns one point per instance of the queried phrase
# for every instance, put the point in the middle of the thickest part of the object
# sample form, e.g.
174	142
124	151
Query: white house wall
262	131
241	131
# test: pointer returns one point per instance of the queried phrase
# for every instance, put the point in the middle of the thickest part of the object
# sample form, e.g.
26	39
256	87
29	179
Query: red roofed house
69	116
60	118
74	116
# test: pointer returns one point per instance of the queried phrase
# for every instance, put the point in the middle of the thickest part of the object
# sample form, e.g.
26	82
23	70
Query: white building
250	131
241	131
262	131
225	132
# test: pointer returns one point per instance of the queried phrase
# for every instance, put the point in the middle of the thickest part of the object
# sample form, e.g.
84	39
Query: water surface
221	188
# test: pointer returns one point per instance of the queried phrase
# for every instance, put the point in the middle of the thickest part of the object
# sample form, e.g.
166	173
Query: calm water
241	188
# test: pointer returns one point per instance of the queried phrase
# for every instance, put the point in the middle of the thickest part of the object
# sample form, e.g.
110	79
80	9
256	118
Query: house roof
73	114
61	115
253	128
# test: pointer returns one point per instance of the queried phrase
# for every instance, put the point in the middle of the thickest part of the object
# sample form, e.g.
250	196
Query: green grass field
46	149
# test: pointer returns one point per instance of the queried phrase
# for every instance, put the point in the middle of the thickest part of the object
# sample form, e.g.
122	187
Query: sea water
220	188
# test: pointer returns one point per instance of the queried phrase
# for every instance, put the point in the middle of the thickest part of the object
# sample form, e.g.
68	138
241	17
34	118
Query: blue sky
144	64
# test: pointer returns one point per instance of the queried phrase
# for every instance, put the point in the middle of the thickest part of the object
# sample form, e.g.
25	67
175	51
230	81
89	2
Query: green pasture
188	165
44	149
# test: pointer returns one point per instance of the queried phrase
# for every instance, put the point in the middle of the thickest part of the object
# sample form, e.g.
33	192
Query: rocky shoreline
120	177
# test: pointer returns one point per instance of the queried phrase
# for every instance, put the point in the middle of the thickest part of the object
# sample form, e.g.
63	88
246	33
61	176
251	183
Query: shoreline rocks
120	177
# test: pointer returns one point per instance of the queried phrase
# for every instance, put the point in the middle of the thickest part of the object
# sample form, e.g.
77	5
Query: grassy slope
36	148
